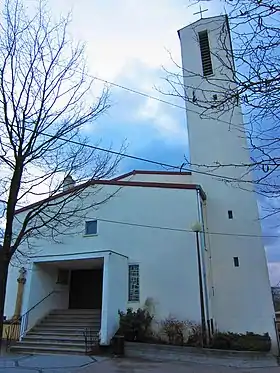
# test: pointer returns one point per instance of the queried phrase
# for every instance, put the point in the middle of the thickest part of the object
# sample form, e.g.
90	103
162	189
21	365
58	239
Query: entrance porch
96	281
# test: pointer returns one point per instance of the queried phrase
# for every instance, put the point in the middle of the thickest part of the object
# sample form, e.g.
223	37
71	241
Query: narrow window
91	227
230	214
133	283
194	99
236	261
212	326
207	67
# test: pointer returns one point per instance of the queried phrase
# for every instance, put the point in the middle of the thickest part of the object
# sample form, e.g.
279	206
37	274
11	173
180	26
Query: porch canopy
97	279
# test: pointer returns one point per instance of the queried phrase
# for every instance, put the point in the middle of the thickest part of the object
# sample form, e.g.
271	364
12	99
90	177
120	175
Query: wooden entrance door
86	289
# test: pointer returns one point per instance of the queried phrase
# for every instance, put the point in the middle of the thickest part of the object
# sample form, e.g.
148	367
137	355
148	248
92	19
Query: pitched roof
146	172
119	182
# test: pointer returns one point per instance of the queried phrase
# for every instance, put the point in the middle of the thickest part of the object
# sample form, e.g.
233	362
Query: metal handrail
91	339
18	326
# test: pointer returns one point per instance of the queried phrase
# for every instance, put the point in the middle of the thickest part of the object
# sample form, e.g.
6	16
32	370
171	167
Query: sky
129	42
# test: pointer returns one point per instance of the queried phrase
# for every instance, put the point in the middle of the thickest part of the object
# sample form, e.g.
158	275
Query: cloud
162	119
160	151
118	31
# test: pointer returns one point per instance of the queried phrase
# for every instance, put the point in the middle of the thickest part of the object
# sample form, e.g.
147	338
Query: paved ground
84	364
46	363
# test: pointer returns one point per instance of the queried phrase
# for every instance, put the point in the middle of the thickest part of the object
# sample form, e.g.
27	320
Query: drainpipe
203	245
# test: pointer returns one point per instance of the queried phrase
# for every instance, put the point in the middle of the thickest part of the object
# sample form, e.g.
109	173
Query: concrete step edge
66	327
53	337
75	312
40	343
30	350
60	332
23	346
59	318
83	322
54	341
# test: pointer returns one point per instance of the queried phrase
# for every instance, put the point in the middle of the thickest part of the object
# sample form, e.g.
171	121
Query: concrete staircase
61	332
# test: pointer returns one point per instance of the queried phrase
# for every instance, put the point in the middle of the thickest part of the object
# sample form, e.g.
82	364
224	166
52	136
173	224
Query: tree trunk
4	265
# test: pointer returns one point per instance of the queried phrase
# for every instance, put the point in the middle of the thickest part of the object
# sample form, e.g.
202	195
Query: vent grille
205	53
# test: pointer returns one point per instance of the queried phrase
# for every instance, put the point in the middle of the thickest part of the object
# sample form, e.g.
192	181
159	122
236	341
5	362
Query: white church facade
142	243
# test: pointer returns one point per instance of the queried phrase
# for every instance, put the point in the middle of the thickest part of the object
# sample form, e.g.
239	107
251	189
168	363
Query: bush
174	330
135	325
195	337
241	342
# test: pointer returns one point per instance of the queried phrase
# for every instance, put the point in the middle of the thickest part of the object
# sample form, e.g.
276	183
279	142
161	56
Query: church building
188	243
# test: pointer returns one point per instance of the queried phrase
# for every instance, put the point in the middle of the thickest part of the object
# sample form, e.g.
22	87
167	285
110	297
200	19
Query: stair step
76	312
52	343
56	333
50	324
46	350
61	332
54	338
63	321
58	330
65	324
74	317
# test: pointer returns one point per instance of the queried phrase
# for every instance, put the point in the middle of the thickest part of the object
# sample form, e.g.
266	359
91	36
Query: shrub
135	325
241	342
174	330
195	337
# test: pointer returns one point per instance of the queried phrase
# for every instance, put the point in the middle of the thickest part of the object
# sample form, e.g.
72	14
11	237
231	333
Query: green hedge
241	342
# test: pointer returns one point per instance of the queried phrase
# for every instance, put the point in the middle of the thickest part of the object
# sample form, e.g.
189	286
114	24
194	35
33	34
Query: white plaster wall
242	298
167	258
42	283
115	293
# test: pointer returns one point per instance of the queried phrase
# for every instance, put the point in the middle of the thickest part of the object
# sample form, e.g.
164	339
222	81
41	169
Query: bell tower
240	294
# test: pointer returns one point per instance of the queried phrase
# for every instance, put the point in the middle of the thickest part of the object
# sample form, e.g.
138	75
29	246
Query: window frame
129	283
91	234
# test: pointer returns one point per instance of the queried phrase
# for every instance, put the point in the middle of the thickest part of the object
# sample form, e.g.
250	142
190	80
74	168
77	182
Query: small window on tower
230	214
205	53
236	261
194	99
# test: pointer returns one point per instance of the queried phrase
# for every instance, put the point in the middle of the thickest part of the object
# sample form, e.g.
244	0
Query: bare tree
46	97
250	76
276	298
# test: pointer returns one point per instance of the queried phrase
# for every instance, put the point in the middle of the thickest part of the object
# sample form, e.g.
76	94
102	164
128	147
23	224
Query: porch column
115	291
105	300
21	281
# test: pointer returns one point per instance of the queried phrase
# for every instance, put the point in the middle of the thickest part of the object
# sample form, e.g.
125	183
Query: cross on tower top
200	12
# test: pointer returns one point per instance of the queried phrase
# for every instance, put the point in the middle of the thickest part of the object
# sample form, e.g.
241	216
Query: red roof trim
146	172
143	184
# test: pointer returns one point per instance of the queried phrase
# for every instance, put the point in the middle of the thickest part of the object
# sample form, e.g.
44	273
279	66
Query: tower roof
204	20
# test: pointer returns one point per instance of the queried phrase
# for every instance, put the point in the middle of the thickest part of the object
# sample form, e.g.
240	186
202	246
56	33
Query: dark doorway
86	289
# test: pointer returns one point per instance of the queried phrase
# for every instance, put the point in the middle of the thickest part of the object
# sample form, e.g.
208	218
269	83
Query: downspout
202	246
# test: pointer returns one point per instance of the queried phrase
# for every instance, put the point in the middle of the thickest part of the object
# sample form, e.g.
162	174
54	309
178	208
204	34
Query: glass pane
91	227
134	295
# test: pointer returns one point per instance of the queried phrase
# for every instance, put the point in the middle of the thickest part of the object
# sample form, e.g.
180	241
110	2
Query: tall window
207	67
133	283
